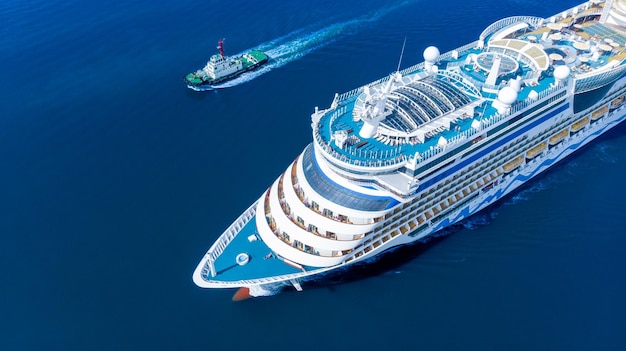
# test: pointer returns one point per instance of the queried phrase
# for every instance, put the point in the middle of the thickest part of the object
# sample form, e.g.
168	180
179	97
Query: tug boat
222	68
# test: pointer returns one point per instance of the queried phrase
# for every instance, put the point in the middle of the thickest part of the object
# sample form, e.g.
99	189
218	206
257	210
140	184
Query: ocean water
116	179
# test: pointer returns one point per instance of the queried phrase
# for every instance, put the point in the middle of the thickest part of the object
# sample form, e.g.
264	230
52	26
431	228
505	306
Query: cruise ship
403	157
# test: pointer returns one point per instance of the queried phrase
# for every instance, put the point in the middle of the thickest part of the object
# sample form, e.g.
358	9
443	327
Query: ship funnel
369	128
372	114
372	104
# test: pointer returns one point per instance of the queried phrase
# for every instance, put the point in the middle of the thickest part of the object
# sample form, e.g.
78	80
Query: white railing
266	280
470	87
589	81
505	22
393	157
229	234
488	122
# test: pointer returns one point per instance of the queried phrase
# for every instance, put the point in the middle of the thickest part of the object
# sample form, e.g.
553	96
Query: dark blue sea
115	178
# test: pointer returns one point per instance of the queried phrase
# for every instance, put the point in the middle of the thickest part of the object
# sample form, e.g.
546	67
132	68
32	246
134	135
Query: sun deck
386	148
416	121
381	148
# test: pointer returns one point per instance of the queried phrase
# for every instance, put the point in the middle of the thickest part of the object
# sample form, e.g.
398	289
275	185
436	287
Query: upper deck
421	111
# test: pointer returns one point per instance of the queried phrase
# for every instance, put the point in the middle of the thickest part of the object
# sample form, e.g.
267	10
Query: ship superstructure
406	156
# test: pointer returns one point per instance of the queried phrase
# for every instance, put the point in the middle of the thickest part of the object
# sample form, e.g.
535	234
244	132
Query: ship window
338	194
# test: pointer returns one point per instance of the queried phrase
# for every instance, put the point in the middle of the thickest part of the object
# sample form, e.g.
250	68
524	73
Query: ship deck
381	147
585	48
262	262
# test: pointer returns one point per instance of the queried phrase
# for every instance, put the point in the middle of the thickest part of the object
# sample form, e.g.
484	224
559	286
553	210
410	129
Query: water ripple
299	43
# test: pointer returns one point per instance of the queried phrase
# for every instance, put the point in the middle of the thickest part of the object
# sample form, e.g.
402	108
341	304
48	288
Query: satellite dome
431	54
561	72
507	95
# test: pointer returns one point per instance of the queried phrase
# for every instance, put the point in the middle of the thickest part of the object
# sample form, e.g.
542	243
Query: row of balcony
284	237
297	220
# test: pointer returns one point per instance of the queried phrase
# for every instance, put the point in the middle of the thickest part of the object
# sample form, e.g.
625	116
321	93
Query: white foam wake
299	43
265	290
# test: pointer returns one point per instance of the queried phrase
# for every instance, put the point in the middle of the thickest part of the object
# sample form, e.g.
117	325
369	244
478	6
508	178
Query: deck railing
592	80
505	22
229	234
370	158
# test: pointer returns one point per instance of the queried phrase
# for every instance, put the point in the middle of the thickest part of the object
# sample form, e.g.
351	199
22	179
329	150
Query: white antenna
401	53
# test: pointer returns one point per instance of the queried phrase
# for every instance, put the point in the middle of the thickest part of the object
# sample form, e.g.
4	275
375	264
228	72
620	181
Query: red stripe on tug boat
242	294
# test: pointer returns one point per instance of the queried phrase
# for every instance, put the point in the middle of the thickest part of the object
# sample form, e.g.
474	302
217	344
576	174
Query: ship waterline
401	158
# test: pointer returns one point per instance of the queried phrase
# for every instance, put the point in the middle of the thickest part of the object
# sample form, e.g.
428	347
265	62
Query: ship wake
297	44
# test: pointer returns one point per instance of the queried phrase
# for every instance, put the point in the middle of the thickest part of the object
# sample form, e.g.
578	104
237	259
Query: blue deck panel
346	122
258	266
